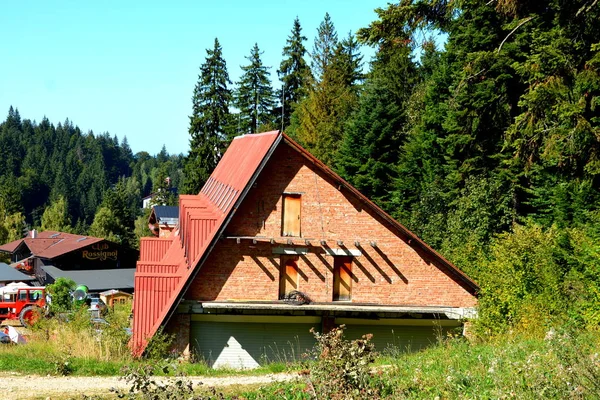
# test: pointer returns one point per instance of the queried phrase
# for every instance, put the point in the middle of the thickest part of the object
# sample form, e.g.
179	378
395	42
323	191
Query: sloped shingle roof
51	244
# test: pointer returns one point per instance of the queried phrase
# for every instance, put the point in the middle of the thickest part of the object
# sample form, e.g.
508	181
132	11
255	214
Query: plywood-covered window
342	278
290	218
288	275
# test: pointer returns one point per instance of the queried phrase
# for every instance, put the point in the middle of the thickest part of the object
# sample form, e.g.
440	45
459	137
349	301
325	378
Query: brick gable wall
392	273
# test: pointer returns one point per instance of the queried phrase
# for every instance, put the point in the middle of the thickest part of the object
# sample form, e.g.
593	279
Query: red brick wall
393	273
179	326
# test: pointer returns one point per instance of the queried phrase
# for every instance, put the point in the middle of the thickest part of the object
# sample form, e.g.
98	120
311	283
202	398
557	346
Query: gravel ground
15	386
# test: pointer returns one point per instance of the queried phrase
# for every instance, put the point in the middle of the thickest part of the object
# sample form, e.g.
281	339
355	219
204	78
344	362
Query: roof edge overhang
385	216
223	226
456	313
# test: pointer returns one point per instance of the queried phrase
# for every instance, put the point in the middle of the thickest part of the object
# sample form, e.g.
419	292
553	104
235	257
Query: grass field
558	364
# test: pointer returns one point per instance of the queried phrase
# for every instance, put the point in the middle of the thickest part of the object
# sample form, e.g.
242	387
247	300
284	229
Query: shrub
159	345
143	385
343	368
60	291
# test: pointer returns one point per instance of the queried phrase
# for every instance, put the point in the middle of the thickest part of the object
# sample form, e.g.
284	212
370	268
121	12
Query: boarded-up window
342	278
288	275
290	224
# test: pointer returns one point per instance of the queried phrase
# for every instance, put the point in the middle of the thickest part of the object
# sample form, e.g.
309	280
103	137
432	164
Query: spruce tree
293	71
319	120
370	148
209	120
254	96
324	47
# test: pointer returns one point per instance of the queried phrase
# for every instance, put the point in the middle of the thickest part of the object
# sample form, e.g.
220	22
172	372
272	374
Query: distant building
9	274
95	262
112	297
163	220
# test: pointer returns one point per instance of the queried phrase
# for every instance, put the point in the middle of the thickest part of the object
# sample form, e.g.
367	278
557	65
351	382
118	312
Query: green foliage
254	96
293	71
371	143
61	291
46	164
141	228
509	366
342	369
159	345
332	95
106	225
535	277
56	217
116	216
209	120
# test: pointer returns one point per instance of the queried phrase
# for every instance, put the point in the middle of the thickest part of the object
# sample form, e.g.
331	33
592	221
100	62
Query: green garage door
224	342
398	337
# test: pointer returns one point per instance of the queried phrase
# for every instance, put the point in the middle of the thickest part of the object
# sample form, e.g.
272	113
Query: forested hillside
477	126
56	177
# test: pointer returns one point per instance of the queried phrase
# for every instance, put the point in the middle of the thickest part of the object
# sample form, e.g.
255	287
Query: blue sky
129	67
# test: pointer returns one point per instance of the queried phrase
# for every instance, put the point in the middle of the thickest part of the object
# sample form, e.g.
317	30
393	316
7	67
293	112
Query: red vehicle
23	303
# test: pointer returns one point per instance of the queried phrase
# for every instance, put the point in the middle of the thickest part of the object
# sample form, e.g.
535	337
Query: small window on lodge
290	224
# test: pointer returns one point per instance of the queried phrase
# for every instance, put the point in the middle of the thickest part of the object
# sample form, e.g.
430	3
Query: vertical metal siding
165	267
154	249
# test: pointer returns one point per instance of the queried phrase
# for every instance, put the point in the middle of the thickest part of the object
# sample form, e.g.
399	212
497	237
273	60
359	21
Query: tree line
59	178
487	147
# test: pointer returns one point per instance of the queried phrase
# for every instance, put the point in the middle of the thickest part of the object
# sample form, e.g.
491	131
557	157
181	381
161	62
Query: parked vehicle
25	304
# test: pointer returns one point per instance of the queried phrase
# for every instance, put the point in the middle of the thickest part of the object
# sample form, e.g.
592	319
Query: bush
343	368
60	291
159	345
143	385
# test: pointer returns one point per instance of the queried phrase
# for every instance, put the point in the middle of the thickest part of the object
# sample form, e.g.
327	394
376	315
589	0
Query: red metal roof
160	281
51	244
159	284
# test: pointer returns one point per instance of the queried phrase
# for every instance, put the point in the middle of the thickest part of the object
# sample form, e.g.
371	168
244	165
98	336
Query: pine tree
209	120
324	47
254	96
371	144
293	71
319	120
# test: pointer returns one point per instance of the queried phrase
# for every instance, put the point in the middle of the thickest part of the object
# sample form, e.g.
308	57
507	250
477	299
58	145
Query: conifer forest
476	125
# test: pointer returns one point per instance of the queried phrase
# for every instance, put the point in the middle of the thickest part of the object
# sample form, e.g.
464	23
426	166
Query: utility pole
282	104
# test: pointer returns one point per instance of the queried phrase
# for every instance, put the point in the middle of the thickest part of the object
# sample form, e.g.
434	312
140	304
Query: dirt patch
16	386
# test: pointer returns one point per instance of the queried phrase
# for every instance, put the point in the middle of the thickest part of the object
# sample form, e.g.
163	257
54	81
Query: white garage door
224	342
397	337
